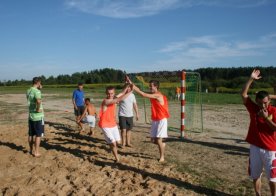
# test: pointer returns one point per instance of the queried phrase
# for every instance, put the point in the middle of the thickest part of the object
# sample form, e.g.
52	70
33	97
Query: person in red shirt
159	114
107	117
261	135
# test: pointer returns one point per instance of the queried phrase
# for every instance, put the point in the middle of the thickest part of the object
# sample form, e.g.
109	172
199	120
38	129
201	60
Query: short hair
80	84
155	83
36	80
262	94
87	99
109	88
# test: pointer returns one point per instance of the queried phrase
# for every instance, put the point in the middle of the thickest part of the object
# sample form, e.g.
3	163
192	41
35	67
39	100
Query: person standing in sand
78	103
36	115
125	113
107	117
89	116
261	135
159	114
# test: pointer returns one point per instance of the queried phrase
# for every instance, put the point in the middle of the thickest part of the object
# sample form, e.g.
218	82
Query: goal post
183	90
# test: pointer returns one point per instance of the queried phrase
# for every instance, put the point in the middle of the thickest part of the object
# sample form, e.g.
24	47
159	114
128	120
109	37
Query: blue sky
65	36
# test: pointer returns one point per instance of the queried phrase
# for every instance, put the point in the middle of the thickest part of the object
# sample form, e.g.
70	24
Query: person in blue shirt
78	102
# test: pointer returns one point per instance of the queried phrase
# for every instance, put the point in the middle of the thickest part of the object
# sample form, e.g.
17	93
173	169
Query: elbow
244	95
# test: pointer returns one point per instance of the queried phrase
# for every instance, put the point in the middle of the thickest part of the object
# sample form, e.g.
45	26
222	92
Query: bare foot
129	145
161	160
37	155
81	130
121	146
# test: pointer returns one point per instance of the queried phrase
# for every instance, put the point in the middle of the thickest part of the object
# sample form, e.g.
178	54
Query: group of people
85	112
261	134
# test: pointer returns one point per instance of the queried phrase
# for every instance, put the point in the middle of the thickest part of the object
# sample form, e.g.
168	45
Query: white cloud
213	49
140	8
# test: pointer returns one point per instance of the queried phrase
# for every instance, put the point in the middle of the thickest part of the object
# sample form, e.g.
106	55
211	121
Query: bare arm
272	96
124	91
143	94
38	104
116	100
84	114
255	75
74	103
135	106
264	113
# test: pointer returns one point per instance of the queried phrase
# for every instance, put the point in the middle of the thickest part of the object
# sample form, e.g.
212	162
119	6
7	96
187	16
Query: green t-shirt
32	95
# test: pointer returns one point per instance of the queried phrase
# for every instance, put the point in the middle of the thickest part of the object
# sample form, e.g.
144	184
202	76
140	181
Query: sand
213	162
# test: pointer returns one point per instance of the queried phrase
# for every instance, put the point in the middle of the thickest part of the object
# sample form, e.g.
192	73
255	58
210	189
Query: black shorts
36	128
79	111
125	122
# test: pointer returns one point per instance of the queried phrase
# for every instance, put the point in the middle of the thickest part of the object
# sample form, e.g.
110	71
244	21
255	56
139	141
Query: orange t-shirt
177	90
107	117
158	111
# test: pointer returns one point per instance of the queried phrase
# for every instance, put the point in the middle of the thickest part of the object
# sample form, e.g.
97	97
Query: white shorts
111	134
159	129
260	158
91	120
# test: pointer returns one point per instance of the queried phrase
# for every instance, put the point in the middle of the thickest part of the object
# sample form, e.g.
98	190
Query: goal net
170	85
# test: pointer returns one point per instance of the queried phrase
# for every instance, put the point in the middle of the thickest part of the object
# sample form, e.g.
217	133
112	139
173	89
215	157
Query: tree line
106	75
231	77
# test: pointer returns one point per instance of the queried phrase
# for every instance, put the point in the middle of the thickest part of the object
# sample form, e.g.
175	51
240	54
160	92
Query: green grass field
98	92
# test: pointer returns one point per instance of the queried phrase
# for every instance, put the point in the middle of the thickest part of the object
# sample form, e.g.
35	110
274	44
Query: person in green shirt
36	116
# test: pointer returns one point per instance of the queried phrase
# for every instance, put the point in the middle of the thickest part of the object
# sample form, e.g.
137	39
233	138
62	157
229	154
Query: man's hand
263	113
255	75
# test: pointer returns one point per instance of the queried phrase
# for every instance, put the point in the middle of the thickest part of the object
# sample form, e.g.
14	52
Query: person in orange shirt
159	114
177	93
107	117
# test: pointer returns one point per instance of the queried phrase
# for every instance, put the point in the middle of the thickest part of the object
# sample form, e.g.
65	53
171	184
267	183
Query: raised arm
272	96
255	75
140	92
116	100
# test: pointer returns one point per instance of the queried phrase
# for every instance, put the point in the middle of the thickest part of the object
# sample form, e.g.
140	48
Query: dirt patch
210	163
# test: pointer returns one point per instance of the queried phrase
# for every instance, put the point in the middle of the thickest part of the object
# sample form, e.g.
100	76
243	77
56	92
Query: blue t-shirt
78	96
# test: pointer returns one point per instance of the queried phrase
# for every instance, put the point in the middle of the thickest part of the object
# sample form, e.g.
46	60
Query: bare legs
114	149
91	132
31	143
161	147
126	135
35	144
79	124
272	186
257	186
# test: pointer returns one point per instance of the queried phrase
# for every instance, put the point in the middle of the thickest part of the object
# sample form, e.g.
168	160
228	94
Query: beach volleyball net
185	108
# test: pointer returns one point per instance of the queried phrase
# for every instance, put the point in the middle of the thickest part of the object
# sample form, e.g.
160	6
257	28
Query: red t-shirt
259	133
158	111
107	117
